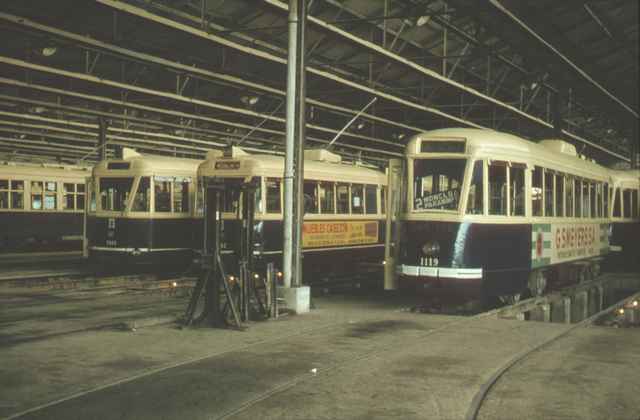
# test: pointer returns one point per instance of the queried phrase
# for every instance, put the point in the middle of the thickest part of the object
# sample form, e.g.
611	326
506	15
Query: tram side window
142	198
357	199
343	198
548	193
536	191
73	196
592	200
606	197
517	189
181	196
50	195
327	197
569	191
634	204
163	196
586	208
36	195
371	199
559	195
274	189
69	196
626	203
80	196
577	190
476	195
311	197
4	194
498	188
598	199
617	203
17	194
383	199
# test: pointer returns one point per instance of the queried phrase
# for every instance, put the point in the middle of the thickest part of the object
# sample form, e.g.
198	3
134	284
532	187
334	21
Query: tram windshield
437	183
114	193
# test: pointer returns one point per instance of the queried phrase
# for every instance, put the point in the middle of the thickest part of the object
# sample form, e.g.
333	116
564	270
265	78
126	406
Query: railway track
482	394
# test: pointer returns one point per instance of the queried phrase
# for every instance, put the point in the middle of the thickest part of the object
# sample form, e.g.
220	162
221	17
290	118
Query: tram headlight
431	248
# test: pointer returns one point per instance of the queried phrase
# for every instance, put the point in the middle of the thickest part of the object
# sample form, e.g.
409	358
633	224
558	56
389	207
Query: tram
144	211
488	215
625	217
343	229
41	210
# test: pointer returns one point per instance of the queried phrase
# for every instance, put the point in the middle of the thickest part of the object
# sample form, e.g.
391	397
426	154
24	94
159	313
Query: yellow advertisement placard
329	234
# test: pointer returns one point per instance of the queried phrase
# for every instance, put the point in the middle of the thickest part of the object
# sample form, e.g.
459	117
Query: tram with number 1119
490	216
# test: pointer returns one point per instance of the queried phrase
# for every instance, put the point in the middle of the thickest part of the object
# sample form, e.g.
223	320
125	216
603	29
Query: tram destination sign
447	198
228	165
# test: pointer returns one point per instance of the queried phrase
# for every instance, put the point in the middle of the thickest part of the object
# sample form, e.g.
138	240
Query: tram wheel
510	299
537	283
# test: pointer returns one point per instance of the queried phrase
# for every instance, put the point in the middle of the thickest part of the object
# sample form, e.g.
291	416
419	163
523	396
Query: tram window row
170	194
41	195
321	197
552	194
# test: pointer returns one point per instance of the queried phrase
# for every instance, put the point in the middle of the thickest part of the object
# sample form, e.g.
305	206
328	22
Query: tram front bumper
466	280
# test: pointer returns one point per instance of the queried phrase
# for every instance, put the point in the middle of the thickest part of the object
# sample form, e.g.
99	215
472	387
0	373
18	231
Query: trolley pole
102	138
296	296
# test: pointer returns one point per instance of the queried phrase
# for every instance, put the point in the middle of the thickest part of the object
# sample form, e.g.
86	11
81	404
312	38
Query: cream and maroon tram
145	210
343	229
625	218
41	210
489	215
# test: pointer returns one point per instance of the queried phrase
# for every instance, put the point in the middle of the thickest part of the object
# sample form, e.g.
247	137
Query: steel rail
478	399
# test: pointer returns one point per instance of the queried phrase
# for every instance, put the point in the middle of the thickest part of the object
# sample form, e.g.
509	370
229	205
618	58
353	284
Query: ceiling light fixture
49	51
422	20
250	100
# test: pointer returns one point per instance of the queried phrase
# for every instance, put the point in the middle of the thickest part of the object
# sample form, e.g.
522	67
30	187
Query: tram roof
270	165
502	146
143	164
16	169
628	178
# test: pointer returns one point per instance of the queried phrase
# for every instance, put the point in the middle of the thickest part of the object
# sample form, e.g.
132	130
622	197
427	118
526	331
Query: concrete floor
352	357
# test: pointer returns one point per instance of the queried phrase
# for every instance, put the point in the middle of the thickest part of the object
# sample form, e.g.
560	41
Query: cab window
162	196
476	191
311	197
273	187
142	198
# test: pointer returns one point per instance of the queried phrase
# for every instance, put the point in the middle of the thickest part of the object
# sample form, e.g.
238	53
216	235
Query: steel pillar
294	146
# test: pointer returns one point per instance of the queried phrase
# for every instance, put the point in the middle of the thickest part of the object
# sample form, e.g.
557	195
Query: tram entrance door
218	298
395	176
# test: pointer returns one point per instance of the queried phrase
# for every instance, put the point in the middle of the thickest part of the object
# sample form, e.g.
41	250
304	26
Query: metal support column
295	140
